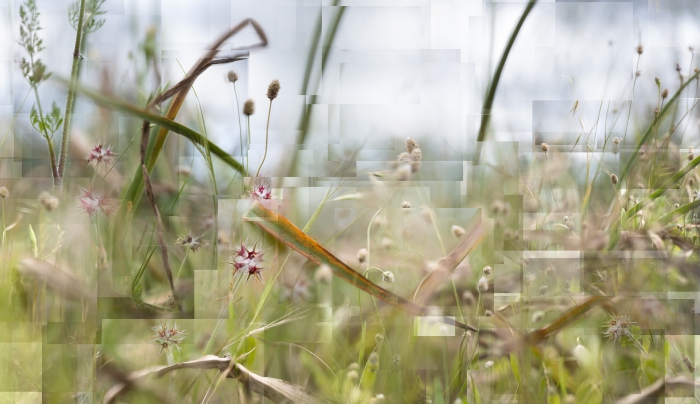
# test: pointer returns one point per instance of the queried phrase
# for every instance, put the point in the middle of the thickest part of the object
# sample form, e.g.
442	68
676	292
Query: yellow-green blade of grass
282	229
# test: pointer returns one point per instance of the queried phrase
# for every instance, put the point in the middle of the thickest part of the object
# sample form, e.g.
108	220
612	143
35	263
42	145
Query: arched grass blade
282	229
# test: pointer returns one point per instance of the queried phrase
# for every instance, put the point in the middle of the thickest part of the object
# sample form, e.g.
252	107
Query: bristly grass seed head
273	89
249	108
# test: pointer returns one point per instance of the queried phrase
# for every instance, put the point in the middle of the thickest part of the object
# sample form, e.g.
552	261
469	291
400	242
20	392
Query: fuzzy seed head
616	140
388	277
232	76
543	289
273	89
324	274
483	284
664	93
617	327
549	271
614	179
657	80
488	270
640	49
362	255
544	147
457	231
488	364
405	204
249	108
411	145
48	201
190	241
4	193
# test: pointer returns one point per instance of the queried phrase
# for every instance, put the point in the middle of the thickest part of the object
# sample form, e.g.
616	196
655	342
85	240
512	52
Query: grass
536	278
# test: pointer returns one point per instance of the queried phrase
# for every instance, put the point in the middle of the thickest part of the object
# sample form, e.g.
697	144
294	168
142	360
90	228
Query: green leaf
514	367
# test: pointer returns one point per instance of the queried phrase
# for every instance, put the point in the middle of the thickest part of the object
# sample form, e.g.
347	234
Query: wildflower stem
187	250
58	181
267	133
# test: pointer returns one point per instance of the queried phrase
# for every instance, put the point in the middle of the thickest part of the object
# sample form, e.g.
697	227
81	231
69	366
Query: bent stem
58	181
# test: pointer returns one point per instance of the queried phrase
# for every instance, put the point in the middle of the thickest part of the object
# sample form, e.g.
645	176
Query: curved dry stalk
282	229
276	390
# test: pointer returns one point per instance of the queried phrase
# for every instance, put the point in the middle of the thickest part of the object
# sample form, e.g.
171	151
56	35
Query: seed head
249	108
614	179
190	241
405	204
640	49
483	284
488	364
388	277
549	271
617	327
362	255
167	335
664	93
657	80
324	275
4	193
90	202
232	76
457	231
48	201
678	68
565	219
488	270
543	289
544	147
616	140
528	279
488	313
537	316
273	89
497	207
411	145
677	205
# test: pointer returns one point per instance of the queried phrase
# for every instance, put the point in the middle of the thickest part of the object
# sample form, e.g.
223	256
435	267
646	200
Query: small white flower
488	270
488	364
483	284
405	204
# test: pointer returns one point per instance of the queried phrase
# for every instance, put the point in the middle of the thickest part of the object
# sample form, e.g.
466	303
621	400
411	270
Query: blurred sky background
397	68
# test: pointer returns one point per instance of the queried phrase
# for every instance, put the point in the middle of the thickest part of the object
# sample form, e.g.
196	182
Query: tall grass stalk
67	120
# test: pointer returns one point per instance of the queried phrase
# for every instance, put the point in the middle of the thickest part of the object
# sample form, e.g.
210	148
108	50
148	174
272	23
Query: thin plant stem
267	133
58	181
240	130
